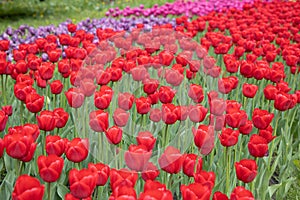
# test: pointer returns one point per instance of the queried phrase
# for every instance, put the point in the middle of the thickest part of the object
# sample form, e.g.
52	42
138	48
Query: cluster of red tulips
189	112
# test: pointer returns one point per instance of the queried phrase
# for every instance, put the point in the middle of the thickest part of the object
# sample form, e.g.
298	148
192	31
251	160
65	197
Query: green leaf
297	164
272	189
62	190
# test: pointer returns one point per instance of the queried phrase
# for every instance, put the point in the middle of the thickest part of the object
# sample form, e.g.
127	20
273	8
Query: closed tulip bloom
218	122
232	106
246	170
240	192
123	192
61	117
166	58
20	146
69	196
114	135
50	167
125	100
267	134
46	120
21	90
55	145
56	87
143	105
171	160
197	113
257	146
146	139
205	178
136	157
229	137
102	172
122	177
74	97
236	119
150	85
204	138
34	102
283	101
82	182
246	128
219	196
169	116
261	118
150	172
196	93
188	166
28	188
1	147
102	98
77	150
195	191
155	115
157	194
249	90
99	121
120	117
217	106
173	77
166	94
46	70
8	110
3	120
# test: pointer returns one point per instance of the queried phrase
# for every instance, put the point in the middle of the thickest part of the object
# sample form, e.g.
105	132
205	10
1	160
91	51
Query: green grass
35	13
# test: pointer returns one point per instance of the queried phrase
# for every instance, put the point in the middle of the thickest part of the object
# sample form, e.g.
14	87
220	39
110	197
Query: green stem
20	168
21	112
228	159
49	191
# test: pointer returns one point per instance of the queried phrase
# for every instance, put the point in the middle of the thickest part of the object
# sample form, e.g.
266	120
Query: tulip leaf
273	188
297	164
62	190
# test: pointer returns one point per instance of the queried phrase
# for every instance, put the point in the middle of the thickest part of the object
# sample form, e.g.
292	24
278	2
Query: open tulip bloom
186	108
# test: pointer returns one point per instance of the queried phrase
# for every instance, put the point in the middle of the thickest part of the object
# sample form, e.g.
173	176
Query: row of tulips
183	116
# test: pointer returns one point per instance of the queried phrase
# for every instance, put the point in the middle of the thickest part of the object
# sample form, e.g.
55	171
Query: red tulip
219	196
75	97
46	120
283	101
150	85
150	172
173	77
82	182
240	192
249	90
155	115
120	117
232	106
146	139
204	138
169	116
46	70
156	194
77	150
205	178
34	102
114	135
257	146
267	134
20	146
143	105
61	117
102	98
123	192
188	167
28	188
4	45
1	147
166	58
31	129
55	145
102	172
56	87
246	170
69	196
125	100
171	160
50	167
136	157
21	90
139	73
122	177
246	128
8	110
196	93
236	119
261	118
166	94
98	121
197	113
3	120
195	191
72	28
